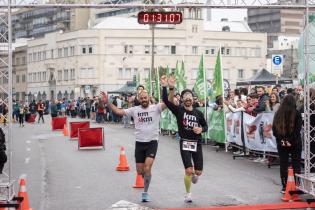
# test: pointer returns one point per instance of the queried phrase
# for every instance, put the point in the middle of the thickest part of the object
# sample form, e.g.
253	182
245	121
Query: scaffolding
307	180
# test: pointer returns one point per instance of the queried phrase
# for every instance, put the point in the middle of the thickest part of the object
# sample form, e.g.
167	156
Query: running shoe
188	198
145	197
194	179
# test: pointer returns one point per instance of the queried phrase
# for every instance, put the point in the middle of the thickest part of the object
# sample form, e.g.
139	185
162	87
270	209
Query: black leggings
21	119
284	153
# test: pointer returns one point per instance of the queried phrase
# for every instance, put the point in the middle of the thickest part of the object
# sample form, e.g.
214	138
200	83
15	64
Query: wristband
171	88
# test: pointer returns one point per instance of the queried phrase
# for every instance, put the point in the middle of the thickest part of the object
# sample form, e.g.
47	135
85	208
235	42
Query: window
226	74
23	60
83	50
23	78
30	57
59	53
222	50
228	51
72	51
135	72
39	56
44	76
38	78
128	73
90	50
34	77
146	72
44	55
30	77
167	49
210	74
72	74
86	73
52	54
120	73
194	28
241	73
147	49
194	73
128	49
65	74
257	52
59	76
212	51
207	52
17	61
34	56
194	50
255	71
65	51
173	49
17	78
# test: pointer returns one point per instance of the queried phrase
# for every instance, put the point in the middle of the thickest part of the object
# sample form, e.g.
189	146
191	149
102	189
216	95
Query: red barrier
74	127
91	137
57	123
31	118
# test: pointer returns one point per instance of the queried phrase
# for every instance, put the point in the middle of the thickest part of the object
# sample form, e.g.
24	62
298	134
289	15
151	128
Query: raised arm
117	111
171	106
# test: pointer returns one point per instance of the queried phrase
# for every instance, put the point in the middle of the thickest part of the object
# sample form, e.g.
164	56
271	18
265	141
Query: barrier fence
75	126
257	131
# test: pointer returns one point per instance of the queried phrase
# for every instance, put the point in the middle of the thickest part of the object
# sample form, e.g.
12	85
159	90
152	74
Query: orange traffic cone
139	182
65	130
290	187
22	193
123	165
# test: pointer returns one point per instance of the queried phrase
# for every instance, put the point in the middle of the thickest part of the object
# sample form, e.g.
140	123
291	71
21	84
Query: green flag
138	79
148	84
157	85
180	77
200	85
217	82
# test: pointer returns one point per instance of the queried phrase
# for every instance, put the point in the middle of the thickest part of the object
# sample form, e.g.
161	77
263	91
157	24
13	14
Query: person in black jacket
261	106
191	123
287	125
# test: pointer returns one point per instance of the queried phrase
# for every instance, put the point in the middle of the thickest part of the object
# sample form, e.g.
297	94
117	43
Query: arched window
72	94
44	96
66	95
59	95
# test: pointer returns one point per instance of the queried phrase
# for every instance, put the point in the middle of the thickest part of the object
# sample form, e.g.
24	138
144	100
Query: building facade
36	22
81	63
276	22
19	83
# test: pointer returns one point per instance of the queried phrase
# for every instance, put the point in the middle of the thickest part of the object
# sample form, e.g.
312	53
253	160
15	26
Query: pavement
59	176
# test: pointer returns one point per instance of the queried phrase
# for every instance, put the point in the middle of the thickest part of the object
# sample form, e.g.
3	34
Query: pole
10	87
152	59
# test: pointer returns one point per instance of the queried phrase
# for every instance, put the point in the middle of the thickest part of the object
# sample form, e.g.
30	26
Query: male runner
191	123
147	120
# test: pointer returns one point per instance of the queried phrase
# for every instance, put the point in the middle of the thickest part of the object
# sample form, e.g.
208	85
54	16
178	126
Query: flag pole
205	93
224	119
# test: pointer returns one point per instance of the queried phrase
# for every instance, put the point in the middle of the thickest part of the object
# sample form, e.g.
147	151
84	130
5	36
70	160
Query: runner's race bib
190	146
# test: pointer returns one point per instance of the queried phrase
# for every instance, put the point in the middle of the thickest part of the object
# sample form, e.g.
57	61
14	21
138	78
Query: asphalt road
59	176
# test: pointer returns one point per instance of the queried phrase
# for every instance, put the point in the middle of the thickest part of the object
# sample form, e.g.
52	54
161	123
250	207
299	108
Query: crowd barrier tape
91	138
57	123
74	127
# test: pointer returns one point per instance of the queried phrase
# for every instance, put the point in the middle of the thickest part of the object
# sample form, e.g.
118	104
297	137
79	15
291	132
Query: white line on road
28	142
27	160
28	149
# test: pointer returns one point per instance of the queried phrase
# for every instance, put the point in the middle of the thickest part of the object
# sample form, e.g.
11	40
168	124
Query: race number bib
190	146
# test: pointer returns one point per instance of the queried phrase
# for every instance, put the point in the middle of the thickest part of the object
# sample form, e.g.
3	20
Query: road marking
28	149
27	160
28	142
126	205
78	187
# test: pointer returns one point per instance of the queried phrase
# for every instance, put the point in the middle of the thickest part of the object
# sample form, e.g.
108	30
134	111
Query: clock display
160	17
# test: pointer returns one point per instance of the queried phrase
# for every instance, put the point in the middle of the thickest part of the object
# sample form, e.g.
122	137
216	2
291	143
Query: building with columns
83	62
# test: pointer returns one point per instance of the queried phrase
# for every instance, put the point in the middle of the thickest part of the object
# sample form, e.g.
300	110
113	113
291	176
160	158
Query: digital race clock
160	17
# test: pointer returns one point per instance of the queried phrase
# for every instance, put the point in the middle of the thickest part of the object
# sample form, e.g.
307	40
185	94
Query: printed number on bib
190	146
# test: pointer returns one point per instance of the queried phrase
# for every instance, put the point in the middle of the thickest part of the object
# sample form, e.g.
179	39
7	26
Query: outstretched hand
164	81
171	81
104	97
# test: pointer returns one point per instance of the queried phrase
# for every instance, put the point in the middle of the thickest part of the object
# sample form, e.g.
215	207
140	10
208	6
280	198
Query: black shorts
144	150
189	156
